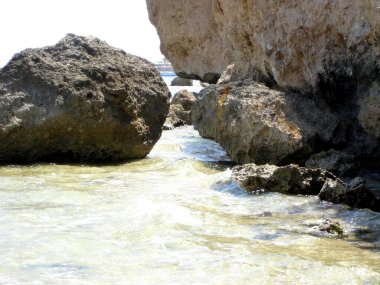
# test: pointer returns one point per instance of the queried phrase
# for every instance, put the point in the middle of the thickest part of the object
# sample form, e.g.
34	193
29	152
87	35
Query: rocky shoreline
294	87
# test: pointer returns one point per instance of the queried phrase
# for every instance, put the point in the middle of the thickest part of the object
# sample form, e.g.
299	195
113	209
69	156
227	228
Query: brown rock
295	44
256	124
290	179
79	101
337	162
180	110
178	81
355	194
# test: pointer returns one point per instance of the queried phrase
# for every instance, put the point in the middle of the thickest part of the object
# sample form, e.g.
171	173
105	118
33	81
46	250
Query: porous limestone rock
178	81
180	109
302	44
337	162
369	114
189	37
355	194
289	179
292	179
325	51
256	124
79	101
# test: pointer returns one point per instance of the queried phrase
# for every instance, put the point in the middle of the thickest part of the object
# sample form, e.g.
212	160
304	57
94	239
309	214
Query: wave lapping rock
292	179
79	101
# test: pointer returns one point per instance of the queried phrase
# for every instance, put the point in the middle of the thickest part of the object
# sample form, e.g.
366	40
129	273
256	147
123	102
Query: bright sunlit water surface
173	218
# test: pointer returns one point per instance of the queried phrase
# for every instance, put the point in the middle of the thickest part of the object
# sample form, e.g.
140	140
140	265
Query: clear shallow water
173	218
174	89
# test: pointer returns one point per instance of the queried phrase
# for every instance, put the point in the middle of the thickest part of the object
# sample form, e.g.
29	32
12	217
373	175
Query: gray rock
369	114
178	81
332	227
79	101
337	162
355	194
290	179
256	124
180	109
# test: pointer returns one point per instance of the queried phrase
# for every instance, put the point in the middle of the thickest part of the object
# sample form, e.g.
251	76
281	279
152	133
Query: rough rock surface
80	100
355	194
180	109
292	179
369	110
256	124
302	44
337	162
289	179
327	52
178	81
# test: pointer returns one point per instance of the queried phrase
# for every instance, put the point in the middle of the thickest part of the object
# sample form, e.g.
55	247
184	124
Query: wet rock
332	227
356	194
254	123
290	179
178	81
79	101
180	109
337	162
293	179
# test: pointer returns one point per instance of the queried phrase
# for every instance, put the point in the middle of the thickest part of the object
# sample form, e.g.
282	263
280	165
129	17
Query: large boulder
302	44
257	124
180	109
80	100
321	58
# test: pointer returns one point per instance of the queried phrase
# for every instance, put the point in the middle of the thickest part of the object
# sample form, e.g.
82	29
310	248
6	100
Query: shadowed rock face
298	44
257	124
79	101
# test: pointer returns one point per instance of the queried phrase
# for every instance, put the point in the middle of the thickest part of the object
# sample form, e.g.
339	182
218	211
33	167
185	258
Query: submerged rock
254	123
178	81
79	101
332	227
180	109
337	162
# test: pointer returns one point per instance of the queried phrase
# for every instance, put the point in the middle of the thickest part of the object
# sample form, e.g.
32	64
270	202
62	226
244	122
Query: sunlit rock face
189	37
293	43
80	100
325	52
